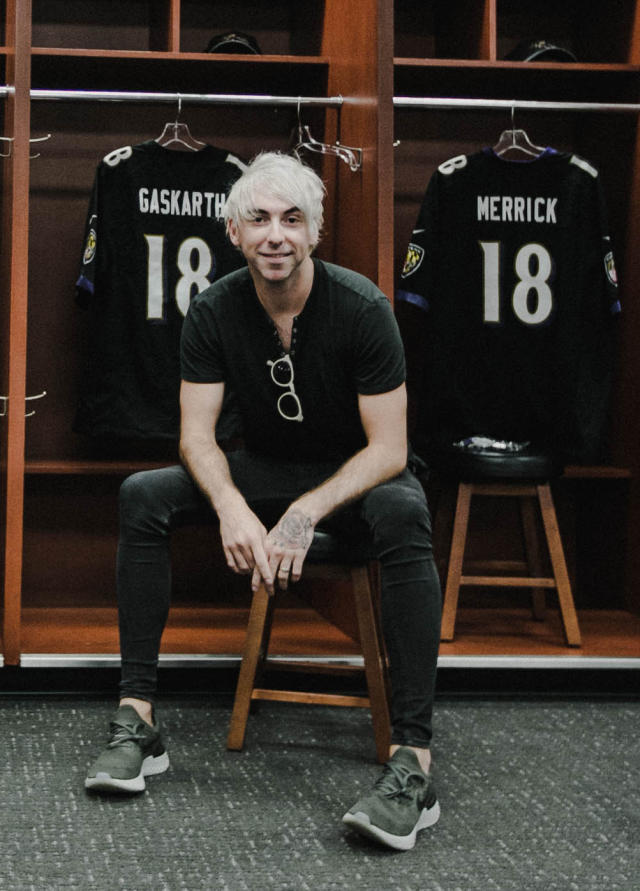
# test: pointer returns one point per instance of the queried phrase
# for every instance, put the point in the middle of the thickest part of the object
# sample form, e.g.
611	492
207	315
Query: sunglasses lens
289	406
282	372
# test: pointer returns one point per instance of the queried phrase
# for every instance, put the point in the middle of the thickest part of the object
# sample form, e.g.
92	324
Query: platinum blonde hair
280	176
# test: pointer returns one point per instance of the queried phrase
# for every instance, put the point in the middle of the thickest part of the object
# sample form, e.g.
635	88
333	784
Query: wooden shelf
597	472
611	633
196	629
163	55
565	67
220	630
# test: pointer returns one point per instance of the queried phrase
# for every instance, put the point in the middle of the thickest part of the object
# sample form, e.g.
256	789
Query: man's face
275	240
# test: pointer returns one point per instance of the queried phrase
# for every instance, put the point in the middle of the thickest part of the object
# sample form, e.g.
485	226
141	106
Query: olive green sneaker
134	751
402	802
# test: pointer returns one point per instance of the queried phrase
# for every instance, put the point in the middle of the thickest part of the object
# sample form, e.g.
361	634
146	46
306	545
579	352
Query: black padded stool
327	559
524	475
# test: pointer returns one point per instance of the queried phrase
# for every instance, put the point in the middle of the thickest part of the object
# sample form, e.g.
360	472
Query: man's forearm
209	468
369	467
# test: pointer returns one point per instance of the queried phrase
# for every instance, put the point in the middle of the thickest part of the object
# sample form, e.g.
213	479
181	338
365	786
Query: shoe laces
396	780
123	733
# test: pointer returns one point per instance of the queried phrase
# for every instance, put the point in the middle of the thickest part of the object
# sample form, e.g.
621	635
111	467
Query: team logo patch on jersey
415	255
90	247
610	268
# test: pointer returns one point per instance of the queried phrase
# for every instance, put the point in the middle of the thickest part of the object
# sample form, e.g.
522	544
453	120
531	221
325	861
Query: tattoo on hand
294	531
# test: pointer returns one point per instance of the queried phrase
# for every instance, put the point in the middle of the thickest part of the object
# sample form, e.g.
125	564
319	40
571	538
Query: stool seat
332	559
486	464
327	547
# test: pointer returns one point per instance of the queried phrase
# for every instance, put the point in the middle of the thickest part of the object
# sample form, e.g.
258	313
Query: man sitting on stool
313	356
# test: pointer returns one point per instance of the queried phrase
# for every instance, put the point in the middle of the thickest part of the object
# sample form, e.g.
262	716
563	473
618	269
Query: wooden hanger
516	140
176	133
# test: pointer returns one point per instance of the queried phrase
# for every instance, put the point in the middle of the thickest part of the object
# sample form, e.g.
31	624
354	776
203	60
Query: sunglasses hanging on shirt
288	404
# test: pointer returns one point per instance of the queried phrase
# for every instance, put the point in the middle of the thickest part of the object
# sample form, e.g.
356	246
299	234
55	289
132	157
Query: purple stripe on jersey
416	299
85	284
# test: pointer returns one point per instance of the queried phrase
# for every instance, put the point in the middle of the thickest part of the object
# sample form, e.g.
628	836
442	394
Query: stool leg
567	607
456	557
256	644
532	552
374	661
442	518
374	586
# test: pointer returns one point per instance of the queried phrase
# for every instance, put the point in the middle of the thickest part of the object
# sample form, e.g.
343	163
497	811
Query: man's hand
244	540
286	546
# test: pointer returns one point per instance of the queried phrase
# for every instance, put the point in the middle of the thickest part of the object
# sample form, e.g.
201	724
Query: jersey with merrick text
154	239
513	265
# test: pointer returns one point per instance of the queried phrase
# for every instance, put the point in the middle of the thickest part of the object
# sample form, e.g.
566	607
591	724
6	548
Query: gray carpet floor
534	795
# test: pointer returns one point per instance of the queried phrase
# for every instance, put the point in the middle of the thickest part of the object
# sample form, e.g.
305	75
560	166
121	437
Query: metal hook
8	139
176	123
513	123
28	398
11	139
5	400
39	139
300	133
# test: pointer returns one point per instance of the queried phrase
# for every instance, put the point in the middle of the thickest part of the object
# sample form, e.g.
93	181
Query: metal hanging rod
508	104
325	101
186	98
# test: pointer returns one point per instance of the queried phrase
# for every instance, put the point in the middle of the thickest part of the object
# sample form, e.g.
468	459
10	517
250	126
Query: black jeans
394	514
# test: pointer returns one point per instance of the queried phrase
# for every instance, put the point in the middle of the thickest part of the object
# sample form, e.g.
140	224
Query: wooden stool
515	476
324	560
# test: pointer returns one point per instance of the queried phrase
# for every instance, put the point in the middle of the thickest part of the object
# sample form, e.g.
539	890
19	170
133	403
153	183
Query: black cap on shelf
540	51
233	42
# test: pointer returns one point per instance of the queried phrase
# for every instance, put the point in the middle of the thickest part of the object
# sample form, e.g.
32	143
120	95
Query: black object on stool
331	560
526	475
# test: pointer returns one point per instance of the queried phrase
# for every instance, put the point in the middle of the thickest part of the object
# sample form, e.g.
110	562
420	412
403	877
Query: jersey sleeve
416	278
87	278
611	289
380	361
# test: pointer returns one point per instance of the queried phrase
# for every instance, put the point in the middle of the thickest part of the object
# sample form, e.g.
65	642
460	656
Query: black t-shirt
154	238
346	343
512	262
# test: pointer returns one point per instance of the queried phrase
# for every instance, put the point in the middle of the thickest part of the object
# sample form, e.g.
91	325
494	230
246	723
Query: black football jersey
512	262
154	239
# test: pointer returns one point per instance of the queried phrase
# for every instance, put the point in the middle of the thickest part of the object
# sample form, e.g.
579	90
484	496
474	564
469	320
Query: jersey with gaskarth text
154	239
513	264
